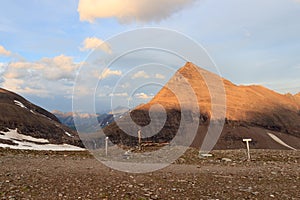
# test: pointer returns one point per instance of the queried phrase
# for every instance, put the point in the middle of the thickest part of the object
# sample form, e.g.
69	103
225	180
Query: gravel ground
271	174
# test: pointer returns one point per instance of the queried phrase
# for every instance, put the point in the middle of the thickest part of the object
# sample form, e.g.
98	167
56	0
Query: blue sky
43	43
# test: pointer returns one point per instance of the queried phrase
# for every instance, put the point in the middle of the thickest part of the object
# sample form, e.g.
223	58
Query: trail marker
106	146
248	148
140	138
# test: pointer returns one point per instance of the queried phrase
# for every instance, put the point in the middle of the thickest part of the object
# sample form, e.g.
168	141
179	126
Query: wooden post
248	148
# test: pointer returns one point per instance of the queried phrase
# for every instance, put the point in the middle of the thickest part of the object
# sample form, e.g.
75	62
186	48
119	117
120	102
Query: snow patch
46	117
29	143
14	135
278	140
18	103
42	147
68	134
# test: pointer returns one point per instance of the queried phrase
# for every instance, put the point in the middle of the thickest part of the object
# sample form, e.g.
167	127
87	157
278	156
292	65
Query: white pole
140	138
248	151
106	146
248	148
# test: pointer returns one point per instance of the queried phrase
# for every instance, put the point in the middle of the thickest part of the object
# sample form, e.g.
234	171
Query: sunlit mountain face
250	111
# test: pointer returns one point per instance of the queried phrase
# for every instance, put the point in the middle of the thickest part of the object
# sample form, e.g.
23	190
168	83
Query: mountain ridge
249	109
243	103
31	121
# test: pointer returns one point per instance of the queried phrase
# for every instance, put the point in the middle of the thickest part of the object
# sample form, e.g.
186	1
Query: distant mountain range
24	125
85	119
269	118
103	119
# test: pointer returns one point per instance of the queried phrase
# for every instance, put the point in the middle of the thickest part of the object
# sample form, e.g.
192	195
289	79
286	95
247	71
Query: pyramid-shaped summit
242	102
251	111
187	81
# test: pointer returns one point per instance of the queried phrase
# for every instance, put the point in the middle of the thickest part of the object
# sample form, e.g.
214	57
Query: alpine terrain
24	125
270	119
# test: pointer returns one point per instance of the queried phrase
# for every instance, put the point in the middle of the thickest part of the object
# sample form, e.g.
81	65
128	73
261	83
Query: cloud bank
91	43
143	95
127	11
108	72
45	77
159	76
140	74
4	52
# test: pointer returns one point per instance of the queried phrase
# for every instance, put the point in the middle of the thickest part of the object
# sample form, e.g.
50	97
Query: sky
44	44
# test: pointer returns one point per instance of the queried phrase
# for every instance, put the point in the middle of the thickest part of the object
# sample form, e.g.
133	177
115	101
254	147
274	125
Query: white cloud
123	94
130	10
159	76
125	85
47	76
59	67
4	52
140	74
91	43
26	65
83	91
2	68
27	86
107	73
142	95
14	74
13	84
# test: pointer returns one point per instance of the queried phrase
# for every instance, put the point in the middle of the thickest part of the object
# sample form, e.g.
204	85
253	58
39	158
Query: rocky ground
271	174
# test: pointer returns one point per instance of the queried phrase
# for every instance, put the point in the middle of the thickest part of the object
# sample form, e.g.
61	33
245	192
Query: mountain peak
251	111
243	103
188	68
188	65
190	78
191	69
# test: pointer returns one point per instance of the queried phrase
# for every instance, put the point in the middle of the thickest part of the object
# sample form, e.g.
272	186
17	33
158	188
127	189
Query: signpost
248	148
106	146
140	138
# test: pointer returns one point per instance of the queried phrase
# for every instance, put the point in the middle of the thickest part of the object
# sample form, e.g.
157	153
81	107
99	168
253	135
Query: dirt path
76	175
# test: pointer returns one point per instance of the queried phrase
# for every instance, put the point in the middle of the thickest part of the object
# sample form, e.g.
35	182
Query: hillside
23	122
251	111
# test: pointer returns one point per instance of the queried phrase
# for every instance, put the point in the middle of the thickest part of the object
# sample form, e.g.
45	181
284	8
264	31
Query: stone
226	160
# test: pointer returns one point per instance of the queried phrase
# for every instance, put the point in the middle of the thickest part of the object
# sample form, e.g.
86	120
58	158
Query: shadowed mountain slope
251	111
16	113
